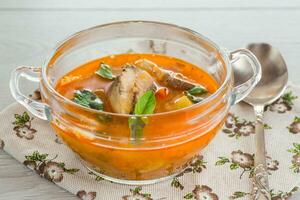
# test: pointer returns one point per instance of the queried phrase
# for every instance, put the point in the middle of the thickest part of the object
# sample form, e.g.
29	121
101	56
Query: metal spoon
270	87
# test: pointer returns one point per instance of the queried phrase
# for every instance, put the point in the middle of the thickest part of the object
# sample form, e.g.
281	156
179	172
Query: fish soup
119	81
137	84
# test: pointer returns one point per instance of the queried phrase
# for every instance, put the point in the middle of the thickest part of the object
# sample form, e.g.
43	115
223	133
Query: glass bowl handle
32	74
242	90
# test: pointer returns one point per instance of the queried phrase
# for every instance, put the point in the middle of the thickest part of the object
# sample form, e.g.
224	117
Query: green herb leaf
222	161
61	164
227	131
97	178
237	195
297	146
145	104
197	90
297	119
136	190
36	156
266	126
21	120
189	196
105	71
175	183
234	166
88	99
193	98
136	126
71	171
288	98
198	165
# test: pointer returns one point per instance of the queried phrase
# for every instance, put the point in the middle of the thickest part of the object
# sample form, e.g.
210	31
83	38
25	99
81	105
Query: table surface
30	29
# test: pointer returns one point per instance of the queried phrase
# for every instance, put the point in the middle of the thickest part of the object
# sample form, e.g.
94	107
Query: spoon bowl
270	87
274	75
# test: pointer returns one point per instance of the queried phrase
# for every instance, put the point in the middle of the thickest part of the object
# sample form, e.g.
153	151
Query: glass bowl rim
221	51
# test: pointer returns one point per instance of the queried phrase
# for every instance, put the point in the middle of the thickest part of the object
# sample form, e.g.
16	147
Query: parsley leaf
105	71
145	105
88	99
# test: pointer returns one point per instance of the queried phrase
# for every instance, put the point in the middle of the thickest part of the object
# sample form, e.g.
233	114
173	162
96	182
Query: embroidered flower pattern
25	132
176	184
283	104
231	120
86	196
196	165
240	161
97	177
294	127
296	157
245	128
30	164
238	194
274	195
201	192
245	161
23	126
282	195
49	169
136	194
272	164
236	128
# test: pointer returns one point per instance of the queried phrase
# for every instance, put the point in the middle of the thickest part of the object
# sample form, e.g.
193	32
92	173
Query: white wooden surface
29	29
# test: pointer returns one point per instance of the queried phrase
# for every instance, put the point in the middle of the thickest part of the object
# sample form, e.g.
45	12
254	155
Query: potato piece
182	102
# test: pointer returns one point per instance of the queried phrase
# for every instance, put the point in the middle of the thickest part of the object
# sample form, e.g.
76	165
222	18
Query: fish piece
131	84
169	78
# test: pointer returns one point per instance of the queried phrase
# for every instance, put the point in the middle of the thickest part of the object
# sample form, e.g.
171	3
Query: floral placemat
220	172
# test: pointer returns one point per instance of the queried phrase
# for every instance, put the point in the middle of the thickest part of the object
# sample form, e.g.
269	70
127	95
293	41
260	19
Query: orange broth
136	161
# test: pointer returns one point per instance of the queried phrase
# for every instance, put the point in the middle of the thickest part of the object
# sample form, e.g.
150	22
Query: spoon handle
260	174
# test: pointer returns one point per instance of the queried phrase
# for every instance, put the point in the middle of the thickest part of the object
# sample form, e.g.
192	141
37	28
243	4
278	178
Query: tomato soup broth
138	161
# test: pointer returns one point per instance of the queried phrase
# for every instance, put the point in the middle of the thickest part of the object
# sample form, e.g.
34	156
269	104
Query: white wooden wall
30	28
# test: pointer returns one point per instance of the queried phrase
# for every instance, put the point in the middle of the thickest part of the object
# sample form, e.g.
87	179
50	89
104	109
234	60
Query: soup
136	84
86	78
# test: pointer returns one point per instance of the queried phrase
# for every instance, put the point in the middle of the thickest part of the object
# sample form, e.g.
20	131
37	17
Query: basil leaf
193	98
145	104
136	126
105	71
88	99
197	90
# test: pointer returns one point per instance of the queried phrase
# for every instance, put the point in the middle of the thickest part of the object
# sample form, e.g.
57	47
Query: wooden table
30	29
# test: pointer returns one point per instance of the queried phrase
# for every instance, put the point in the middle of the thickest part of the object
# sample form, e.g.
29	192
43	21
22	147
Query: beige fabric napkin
220	172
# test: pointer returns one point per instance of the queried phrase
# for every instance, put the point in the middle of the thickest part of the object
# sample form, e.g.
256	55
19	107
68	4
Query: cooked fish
169	78
131	84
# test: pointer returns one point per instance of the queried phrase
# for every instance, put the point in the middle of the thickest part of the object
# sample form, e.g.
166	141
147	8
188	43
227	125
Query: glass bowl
171	139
